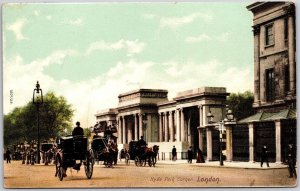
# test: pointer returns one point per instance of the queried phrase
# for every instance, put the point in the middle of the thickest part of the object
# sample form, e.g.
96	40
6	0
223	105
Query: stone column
209	143
256	33
129	134
166	128
160	128
124	130
229	153
200	116
178	125
204	115
136	135
140	125
182	126
291	52
171	126
119	130
278	140
251	142
200	134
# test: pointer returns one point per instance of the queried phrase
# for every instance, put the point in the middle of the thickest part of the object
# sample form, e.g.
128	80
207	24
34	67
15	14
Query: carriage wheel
59	169
150	162
88	166
127	159
137	161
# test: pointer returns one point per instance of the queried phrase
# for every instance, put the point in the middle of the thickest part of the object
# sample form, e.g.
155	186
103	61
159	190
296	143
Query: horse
150	155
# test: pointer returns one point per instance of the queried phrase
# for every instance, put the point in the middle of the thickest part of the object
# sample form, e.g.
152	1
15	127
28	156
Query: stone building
274	124
178	122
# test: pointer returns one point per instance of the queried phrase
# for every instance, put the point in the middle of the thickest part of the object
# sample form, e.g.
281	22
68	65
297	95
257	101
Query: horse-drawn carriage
141	154
47	151
104	146
72	149
104	150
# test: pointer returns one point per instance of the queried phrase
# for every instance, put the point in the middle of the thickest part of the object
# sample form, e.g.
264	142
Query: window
270	85
286	29
269	35
286	78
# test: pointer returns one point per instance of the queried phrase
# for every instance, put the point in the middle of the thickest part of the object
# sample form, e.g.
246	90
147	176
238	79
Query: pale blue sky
90	53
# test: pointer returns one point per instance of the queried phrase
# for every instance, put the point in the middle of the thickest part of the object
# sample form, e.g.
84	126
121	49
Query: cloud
36	12
94	94
132	47
175	22
17	27
74	22
200	38
49	17
204	37
149	16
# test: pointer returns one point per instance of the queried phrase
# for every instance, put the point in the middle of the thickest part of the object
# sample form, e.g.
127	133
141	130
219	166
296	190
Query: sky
92	52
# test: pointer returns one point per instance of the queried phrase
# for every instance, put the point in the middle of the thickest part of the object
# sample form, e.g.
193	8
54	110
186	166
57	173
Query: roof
271	116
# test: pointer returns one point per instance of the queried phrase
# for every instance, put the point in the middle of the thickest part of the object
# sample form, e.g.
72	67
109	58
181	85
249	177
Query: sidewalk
234	164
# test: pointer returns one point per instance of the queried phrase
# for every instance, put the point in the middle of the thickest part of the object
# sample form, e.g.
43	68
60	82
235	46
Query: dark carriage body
134	150
98	146
70	149
73	148
46	146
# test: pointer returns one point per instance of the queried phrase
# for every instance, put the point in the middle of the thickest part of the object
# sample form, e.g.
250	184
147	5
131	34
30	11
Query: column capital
170	112
256	29
200	106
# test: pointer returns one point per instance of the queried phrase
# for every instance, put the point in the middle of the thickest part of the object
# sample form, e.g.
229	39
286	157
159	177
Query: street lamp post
37	100
221	129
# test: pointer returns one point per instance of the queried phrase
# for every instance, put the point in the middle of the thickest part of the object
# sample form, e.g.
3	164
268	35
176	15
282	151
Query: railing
180	155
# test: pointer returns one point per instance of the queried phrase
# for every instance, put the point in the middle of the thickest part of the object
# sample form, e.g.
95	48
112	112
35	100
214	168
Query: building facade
179	122
274	124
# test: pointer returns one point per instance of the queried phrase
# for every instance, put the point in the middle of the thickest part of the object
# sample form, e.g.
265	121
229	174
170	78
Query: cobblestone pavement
164	174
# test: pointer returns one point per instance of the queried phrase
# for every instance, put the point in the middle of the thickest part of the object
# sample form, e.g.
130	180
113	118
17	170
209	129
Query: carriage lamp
229	115
210	117
38	100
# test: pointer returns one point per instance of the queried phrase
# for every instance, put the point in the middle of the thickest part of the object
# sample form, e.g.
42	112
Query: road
17	175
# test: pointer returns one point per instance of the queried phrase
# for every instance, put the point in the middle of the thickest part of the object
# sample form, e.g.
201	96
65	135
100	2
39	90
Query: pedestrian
292	161
174	153
77	130
190	155
264	156
7	154
200	158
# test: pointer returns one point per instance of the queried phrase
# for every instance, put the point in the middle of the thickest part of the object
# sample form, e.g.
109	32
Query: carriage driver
77	130
141	145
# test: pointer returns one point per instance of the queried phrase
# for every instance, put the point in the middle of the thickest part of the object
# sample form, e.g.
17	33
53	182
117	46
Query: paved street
165	174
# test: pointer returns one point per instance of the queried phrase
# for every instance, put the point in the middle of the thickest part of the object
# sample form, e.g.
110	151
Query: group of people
190	155
291	158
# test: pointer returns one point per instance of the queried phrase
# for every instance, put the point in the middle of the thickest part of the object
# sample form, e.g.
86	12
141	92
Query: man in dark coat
77	130
264	156
7	155
190	155
292	161
200	158
174	154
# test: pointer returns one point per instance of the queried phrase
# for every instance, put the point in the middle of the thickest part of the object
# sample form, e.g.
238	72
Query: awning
270	116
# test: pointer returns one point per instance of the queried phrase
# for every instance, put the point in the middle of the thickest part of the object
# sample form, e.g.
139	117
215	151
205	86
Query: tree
241	104
55	116
87	132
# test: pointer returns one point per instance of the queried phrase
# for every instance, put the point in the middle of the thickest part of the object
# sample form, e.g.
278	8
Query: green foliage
55	116
87	132
241	104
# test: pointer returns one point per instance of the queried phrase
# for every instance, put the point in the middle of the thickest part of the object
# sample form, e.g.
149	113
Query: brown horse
150	155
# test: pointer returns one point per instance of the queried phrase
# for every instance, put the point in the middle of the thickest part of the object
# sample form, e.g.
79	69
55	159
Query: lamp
229	115
210	117
37	100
